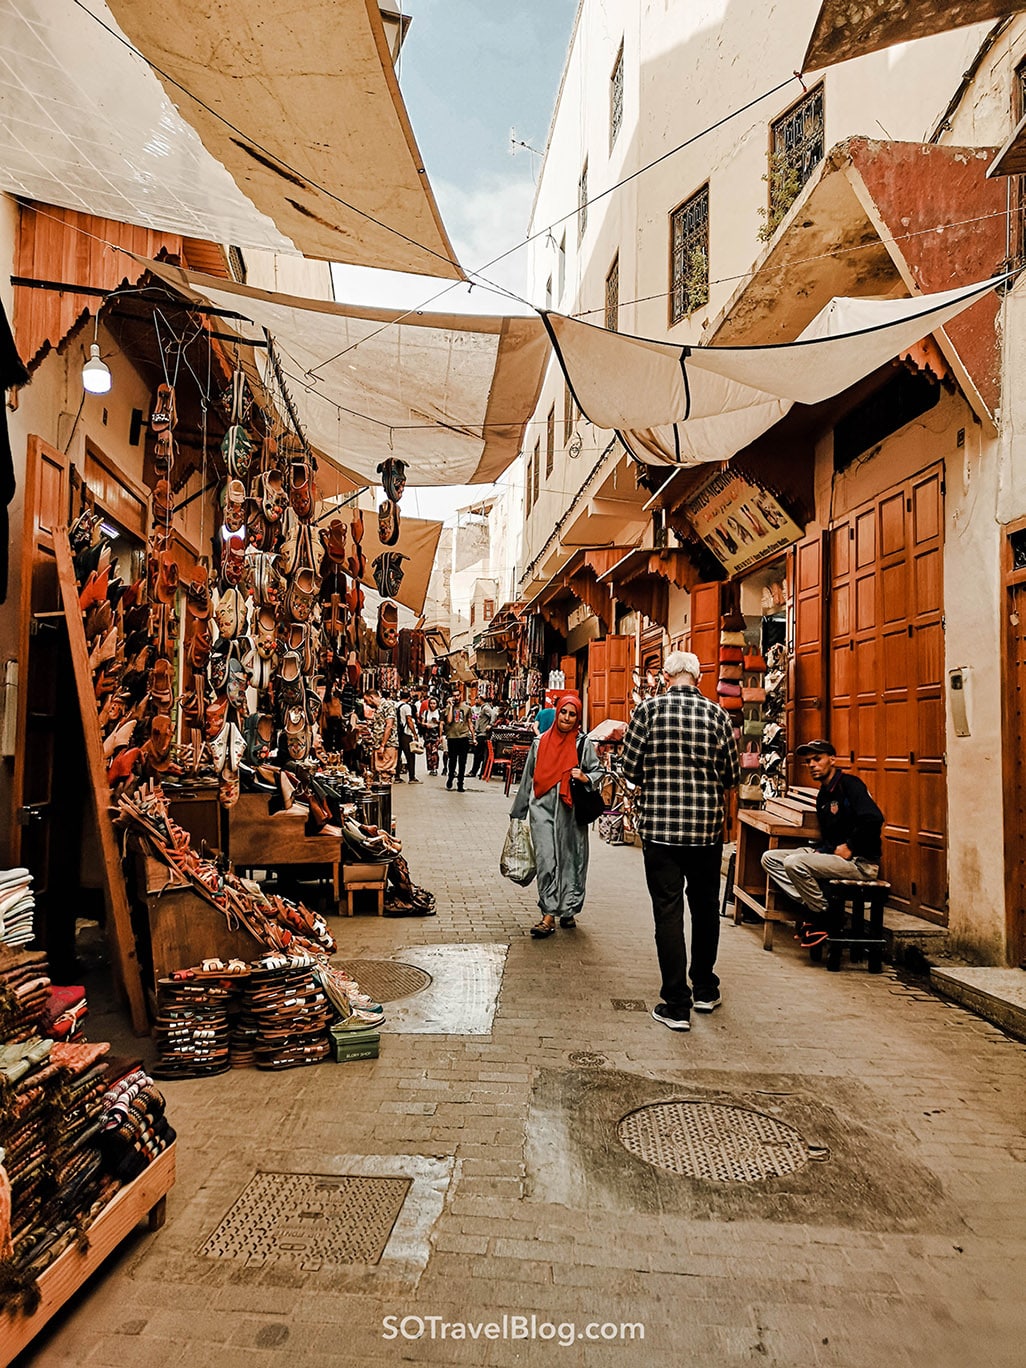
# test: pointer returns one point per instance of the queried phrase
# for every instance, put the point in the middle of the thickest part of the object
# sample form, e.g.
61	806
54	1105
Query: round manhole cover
387	980
587	1058
710	1140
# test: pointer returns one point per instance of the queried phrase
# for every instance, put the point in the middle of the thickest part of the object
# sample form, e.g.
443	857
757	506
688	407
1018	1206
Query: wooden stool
857	937
358	878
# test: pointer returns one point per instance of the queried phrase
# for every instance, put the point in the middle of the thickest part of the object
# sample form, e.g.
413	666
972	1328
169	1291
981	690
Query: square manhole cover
628	1005
309	1220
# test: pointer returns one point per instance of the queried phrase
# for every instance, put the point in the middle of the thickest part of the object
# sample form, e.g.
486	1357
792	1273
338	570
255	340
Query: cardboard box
347	1045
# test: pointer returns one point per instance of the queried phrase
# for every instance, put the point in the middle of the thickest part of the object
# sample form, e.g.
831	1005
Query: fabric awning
676	405
851	28
450	394
307	97
85	124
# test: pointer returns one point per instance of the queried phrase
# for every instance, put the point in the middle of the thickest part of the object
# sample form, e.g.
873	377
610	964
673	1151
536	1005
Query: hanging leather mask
393	477
388	523
388	573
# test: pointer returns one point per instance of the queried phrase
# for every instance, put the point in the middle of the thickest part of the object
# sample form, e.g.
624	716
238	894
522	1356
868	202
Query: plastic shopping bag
517	862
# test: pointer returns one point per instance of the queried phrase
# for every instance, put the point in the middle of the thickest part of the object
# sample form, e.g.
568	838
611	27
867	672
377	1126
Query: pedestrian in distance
459	737
680	751
545	799
408	734
850	824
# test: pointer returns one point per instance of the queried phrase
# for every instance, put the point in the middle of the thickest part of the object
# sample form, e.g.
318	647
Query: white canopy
678	405
85	124
450	394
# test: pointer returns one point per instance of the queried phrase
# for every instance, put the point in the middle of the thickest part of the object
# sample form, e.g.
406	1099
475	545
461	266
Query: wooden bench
363	878
855	936
786	822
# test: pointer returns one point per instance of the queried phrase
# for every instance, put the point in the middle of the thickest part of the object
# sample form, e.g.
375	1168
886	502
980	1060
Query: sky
470	72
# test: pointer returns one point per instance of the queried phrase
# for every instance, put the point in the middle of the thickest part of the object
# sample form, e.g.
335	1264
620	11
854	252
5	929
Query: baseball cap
816	748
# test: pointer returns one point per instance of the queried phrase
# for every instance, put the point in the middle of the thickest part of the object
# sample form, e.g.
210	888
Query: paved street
901	1242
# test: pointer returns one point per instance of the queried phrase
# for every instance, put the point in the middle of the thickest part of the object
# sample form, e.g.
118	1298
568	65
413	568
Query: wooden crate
144	1198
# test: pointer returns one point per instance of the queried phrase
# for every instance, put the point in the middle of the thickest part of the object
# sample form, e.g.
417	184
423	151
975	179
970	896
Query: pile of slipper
403	898
287	1011
368	844
134	1128
191	1030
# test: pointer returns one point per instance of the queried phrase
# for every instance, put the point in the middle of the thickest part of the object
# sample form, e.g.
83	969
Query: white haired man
680	750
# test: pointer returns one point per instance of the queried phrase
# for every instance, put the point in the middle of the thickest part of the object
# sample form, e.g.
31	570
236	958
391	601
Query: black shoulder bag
589	804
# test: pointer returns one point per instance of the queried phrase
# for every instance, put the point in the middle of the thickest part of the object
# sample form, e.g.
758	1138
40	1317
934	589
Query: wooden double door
868	671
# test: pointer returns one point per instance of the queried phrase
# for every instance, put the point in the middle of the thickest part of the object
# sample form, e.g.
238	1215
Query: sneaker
413	781
708	1004
676	1018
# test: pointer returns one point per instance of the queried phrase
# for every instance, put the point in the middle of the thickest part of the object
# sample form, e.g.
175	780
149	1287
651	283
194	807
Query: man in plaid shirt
680	750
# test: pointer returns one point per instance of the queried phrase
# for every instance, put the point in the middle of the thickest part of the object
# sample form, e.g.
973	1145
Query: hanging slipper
162	502
298	637
388	523
388	626
333	618
333	539
238	407
197	595
120	737
353	670
288	682
193	710
388	572
95	588
98	620
199	648
164	415
297	734
161	685
393	477
266	633
235	685
166	587
289	549
157	750
228	790
238	451
234	505
214	717
233	560
301	489
164	452
123	765
357	564
301	594
230	614
104	651
259	738
356	526
273	499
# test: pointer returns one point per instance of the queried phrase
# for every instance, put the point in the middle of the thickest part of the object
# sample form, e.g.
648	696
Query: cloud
486	220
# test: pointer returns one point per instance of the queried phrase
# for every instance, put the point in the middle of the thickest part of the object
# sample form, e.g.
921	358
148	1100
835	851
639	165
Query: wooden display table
368	877
785	823
146	1197
258	841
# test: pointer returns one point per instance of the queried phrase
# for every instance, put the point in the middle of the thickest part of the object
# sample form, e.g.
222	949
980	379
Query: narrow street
898	1238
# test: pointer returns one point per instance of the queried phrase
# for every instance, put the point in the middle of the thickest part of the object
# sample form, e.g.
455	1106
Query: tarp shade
307	88
677	405
450	394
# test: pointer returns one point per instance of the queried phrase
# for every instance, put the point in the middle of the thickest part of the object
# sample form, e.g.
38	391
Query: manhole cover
309	1221
709	1140
628	1005
587	1058
387	980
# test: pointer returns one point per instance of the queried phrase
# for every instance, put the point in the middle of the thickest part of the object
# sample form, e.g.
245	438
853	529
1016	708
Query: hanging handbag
589	804
753	694
750	792
732	639
732	673
731	655
725	689
754	726
750	758
732	704
755	662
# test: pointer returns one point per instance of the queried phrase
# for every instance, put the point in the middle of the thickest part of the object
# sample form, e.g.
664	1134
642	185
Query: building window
237	264
582	202
528	483
796	149
536	478
568	414
689	256
561	269
550	441
473	611
616	98
613	295
489	609
548	293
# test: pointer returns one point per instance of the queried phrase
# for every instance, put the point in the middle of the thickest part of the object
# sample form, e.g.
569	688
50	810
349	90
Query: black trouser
667	868
480	757
408	755
459	749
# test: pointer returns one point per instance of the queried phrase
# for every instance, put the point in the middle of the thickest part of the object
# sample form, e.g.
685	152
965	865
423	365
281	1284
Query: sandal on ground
568	922
543	928
813	936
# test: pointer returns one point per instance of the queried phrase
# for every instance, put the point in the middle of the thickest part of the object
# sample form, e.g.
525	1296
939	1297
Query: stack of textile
17	906
65	1012
133	1126
80	1185
191	1032
24	992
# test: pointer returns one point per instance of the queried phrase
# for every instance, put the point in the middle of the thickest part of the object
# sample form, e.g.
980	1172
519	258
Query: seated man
849	848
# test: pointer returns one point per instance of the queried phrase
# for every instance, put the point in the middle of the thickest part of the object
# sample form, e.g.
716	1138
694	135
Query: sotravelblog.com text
563	1333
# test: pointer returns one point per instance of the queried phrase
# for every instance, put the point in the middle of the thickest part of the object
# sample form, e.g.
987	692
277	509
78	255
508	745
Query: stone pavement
904	1244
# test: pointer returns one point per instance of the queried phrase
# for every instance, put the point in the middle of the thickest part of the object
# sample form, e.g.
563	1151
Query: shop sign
579	615
740	522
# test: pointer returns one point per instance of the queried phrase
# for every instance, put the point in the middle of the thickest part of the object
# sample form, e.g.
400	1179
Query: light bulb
96	378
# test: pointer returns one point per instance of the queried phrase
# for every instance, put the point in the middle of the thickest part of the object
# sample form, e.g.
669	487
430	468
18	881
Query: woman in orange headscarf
544	797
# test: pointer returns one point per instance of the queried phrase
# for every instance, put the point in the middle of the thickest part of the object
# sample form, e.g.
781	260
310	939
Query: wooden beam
119	919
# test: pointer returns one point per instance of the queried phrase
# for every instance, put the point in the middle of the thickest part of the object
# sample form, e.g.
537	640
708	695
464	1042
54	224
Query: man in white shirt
407	732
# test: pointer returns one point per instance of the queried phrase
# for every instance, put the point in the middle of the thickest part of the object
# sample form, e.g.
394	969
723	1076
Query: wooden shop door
704	637
887	715
610	663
